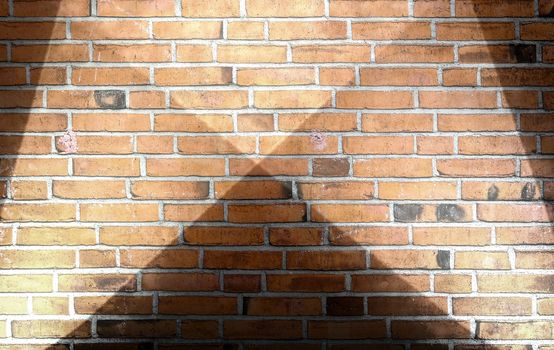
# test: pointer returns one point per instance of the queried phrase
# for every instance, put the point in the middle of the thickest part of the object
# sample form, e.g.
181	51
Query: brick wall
276	174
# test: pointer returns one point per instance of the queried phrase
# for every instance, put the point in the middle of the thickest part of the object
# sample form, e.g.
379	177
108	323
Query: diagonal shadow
281	229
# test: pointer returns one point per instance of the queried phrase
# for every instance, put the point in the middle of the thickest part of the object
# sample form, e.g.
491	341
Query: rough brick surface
276	174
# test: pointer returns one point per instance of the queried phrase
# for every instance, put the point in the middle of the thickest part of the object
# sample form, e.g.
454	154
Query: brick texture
276	174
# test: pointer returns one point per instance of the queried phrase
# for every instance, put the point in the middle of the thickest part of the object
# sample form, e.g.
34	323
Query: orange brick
514	212
451	236
136	8
317	121
244	260
114	305
475	31
476	167
378	145
285	8
292	99
198	305
193	212
51	329
482	260
284	30
268	166
32	122
108	30
330	53
496	145
357	329
374	99
111	122
278	145
34	167
193	122
48	76
25	190
211	8
453	283
398	76
379	8
198	235
500	190
496	8
457	99
106	166
217	99
97	282
459	77
380	235
194	53
187	30
75	189
185	167
337	76
97	258
155	144
432	8
139	235
251	54
349	213
276	76
476	122
146	99
410	259
393	167
21	99
391	30
267	213
435	145
50	53
253	190
168	259
37	259
42	8
245	30
38	212
119	212
56	236
169	190
414	54
417	190
131	53
296	236
192	76
110	76
335	190
216	144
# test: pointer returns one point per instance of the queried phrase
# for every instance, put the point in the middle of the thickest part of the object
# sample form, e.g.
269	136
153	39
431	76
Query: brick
391	30
358	329
379	8
192	76
194	53
51	329
500	190
345	235
337	76
476	31
296	236
193	122
184	167
477	122
534	260
48	76
275	76
110	76
13	305
33	167
169	190
305	283
219	99
482	260
97	258
97	283
25	190
168	259
37	259
139	235
108	30
211	8
285	30
245	30
435	145
111	122
476	167
515	330
180	282
513	212
50	53
292	99
406	259
50	305
326	260
13	283
507	283
520	99
114	305
459	77
267	213
262	329
317	121
457	99
87	99
496	145
453	283
393	167
146	99
200	235
497	53
517	77
193	212
390	283
524	235
88	189
386	306
136	328
378	145
397	122
432	8
271	306
417	190
398	76
335	190
251	54
131	53
285	8
349	213
187	30
545	306
345	306
216	145
253	190
430	329
42	8
280	145
330	53
414	54
32	30
374	99
242	260
330	167
242	283
106	167
32	122
135	8
38	212
198	329
25	145
119	212
197	305
483	8
451	236
21	99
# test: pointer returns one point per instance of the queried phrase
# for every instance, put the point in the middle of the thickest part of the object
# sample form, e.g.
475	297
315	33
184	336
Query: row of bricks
293	76
283	8
171	236
394	167
270	189
268	99
276	30
173	282
242	54
267	260
259	122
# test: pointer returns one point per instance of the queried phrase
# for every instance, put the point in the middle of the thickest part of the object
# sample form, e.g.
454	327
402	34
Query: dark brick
331	167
